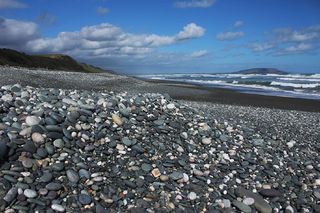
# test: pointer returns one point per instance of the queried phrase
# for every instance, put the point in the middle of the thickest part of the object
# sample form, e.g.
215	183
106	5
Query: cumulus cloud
103	40
11	4
102	10
200	53
110	39
191	31
16	33
288	41
230	35
194	3
46	18
100	44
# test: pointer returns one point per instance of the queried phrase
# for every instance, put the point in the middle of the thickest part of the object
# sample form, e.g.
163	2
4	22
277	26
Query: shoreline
200	93
177	90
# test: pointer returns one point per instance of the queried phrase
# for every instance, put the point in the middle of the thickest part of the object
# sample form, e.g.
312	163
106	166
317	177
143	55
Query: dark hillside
52	62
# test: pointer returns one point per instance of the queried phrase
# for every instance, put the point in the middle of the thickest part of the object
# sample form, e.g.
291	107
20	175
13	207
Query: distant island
63	62
261	71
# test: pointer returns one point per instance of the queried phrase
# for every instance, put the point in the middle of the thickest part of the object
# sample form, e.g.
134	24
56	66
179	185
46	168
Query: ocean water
291	85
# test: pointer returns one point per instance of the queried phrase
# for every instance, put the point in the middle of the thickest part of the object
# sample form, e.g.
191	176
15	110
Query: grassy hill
262	71
51	61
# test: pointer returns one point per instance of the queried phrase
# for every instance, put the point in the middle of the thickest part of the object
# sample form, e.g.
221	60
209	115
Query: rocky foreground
79	151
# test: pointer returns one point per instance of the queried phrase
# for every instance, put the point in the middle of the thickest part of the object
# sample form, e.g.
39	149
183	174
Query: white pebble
180	149
289	209
206	141
192	196
57	207
226	203
29	193
225	156
171	106
248	201
291	144
32	120
185	177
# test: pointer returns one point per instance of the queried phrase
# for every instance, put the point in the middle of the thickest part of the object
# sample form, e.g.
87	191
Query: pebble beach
118	149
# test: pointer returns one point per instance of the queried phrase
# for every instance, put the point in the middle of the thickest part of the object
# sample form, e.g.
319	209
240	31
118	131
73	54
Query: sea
306	86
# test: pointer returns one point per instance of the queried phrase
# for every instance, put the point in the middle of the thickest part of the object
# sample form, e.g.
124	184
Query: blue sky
169	36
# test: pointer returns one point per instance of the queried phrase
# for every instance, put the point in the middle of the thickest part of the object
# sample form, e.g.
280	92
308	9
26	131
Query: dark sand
198	93
177	90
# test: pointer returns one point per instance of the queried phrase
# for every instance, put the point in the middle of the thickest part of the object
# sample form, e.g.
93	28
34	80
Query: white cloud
102	44
98	40
194	3
296	49
238	24
230	35
200	53
15	32
11	4
102	10
300	41
261	47
191	31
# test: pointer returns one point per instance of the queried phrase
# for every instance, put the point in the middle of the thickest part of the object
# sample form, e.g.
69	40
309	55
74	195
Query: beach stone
241	206
156	173
57	207
72	176
84	173
171	106
259	203
258	142
58	143
270	193
53	186
164	178
316	193
126	141
32	120
37	137
291	144
137	210
7	97
46	177
26	131
184	135
29	146
29	193
101	209
117	119
57	166
248	201
54	135
27	162
146	167
289	209
42	152
130	184
176	175
84	199
11	194
206	141
192	196
3	151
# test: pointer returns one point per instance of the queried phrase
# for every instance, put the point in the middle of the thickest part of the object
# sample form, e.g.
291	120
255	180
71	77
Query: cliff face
262	71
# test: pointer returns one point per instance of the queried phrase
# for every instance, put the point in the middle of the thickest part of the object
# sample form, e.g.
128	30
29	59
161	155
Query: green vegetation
51	62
